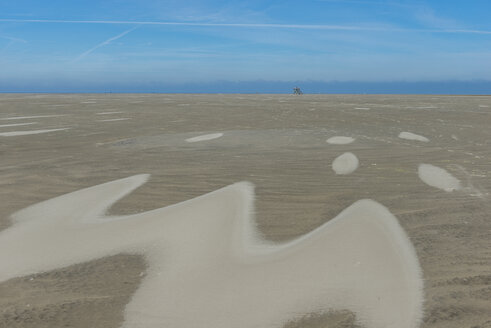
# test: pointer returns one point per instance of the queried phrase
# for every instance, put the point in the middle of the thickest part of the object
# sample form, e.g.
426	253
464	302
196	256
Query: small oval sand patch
205	137
25	133
437	177
412	136
339	140
345	164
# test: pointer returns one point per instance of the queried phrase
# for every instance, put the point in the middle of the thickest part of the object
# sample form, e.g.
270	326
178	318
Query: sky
140	45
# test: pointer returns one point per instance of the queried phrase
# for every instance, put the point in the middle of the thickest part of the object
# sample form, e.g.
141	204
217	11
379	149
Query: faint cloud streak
12	39
248	25
104	43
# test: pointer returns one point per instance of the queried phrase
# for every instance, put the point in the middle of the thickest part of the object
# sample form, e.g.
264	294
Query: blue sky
115	43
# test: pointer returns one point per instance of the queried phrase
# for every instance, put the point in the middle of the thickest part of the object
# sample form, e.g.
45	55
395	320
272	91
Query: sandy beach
392	192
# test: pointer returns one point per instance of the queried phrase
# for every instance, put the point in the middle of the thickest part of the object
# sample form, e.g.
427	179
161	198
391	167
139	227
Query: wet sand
277	142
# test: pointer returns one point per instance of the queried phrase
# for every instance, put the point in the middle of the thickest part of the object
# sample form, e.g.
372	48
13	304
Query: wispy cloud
259	25
104	43
251	25
377	3
430	18
12	39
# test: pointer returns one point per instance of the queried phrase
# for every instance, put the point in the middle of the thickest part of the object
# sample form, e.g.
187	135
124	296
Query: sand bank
209	267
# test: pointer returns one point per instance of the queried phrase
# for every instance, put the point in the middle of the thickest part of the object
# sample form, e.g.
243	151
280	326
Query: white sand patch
26	117
209	267
483	106
454	137
16	124
339	140
422	107
363	108
412	136
438	178
114	119
25	133
345	164
205	137
108	113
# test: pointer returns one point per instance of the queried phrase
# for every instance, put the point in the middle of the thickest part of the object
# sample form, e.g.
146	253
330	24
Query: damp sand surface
280	148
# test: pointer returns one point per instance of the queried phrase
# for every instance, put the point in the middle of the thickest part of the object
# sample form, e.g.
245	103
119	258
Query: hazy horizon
266	87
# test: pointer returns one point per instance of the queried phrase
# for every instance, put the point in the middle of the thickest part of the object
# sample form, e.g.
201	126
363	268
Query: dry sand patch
16	124
345	164
205	137
412	136
29	132
437	177
340	140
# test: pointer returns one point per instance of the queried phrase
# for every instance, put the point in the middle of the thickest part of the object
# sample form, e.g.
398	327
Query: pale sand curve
209	267
205	137
16	124
25	117
114	119
412	136
108	113
437	177
340	140
25	133
345	164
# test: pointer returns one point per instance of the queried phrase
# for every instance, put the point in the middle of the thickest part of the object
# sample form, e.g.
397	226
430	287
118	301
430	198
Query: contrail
251	25
108	41
296	26
12	39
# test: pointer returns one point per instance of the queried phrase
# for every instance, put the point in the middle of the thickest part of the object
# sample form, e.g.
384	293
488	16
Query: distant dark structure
297	91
